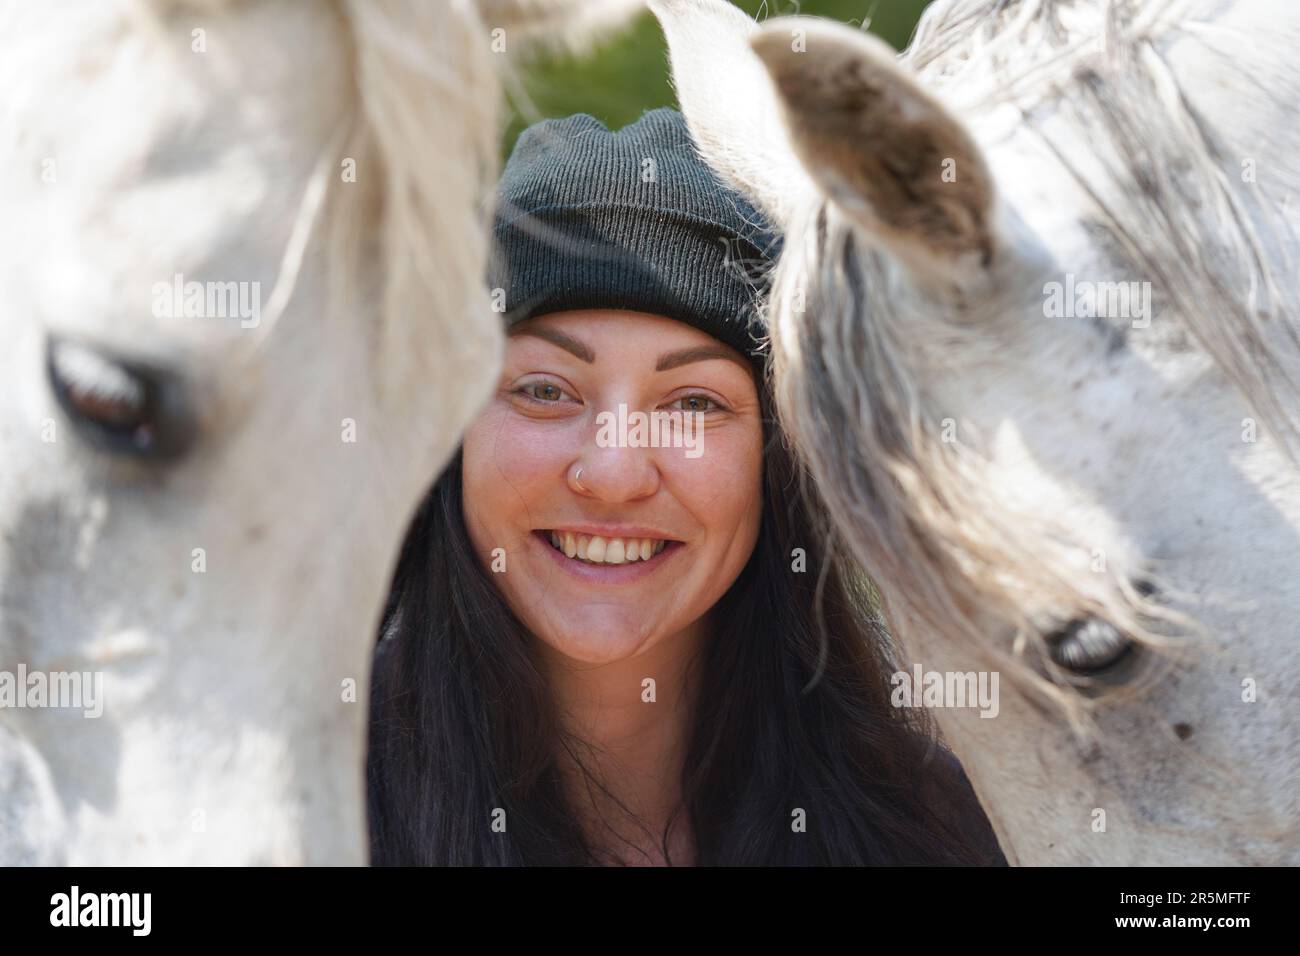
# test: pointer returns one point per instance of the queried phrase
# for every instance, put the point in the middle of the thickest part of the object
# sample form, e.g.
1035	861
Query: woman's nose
615	474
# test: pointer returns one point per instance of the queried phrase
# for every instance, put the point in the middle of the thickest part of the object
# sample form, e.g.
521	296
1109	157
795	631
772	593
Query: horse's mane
422	131
941	545
429	100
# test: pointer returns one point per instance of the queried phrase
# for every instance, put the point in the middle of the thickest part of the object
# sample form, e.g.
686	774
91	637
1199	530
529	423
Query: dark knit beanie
588	218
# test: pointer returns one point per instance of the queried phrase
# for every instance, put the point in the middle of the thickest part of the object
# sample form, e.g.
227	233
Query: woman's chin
602	638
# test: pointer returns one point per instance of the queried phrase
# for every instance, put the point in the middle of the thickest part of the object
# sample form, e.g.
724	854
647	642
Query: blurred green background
629	74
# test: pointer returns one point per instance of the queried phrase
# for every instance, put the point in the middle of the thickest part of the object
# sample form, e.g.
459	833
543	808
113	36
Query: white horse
1089	488
244	326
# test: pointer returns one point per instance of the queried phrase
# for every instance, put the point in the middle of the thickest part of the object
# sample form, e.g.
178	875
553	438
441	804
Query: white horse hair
202	512
1105	507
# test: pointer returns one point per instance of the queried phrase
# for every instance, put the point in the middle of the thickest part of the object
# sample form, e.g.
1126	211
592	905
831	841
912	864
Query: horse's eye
1095	648
1088	646
121	407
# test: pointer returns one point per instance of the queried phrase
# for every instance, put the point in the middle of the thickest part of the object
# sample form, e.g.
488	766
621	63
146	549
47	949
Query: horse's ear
730	104
877	144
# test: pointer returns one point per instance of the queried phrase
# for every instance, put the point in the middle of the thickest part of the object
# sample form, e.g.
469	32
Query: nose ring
577	480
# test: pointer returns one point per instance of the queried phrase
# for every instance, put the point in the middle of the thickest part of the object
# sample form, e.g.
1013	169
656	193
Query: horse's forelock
1155	177
428	92
406	231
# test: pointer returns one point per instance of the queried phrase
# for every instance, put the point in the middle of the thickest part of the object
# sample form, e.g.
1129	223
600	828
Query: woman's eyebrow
669	360
698	353
566	342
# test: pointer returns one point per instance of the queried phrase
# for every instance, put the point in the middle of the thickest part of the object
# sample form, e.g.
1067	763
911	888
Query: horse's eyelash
97	377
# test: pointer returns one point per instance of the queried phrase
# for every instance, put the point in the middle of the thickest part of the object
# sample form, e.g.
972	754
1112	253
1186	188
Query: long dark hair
793	713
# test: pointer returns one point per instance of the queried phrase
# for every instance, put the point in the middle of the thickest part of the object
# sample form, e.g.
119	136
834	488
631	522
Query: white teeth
595	549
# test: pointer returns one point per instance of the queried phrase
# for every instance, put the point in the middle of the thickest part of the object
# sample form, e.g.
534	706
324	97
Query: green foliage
629	74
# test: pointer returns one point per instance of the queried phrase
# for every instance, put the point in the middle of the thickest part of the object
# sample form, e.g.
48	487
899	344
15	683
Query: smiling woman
610	651
696	519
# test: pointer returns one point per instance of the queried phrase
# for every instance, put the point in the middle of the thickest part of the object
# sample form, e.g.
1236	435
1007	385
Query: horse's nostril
1087	645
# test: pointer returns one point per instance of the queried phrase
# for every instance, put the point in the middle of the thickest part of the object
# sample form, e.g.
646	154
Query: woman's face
703	497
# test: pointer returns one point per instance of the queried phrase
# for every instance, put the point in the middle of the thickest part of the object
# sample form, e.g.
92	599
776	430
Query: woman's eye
542	392
117	406
697	403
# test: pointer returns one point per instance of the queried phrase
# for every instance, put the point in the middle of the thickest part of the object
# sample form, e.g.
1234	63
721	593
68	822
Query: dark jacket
973	821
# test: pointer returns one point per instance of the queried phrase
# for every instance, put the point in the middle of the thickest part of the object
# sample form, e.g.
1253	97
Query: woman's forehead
588	333
615	325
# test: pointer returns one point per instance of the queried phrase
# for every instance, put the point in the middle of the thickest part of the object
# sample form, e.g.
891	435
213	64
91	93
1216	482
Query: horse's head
1020	334
245	326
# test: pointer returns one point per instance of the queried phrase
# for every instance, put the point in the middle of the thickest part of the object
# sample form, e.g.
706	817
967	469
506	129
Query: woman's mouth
603	556
595	549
